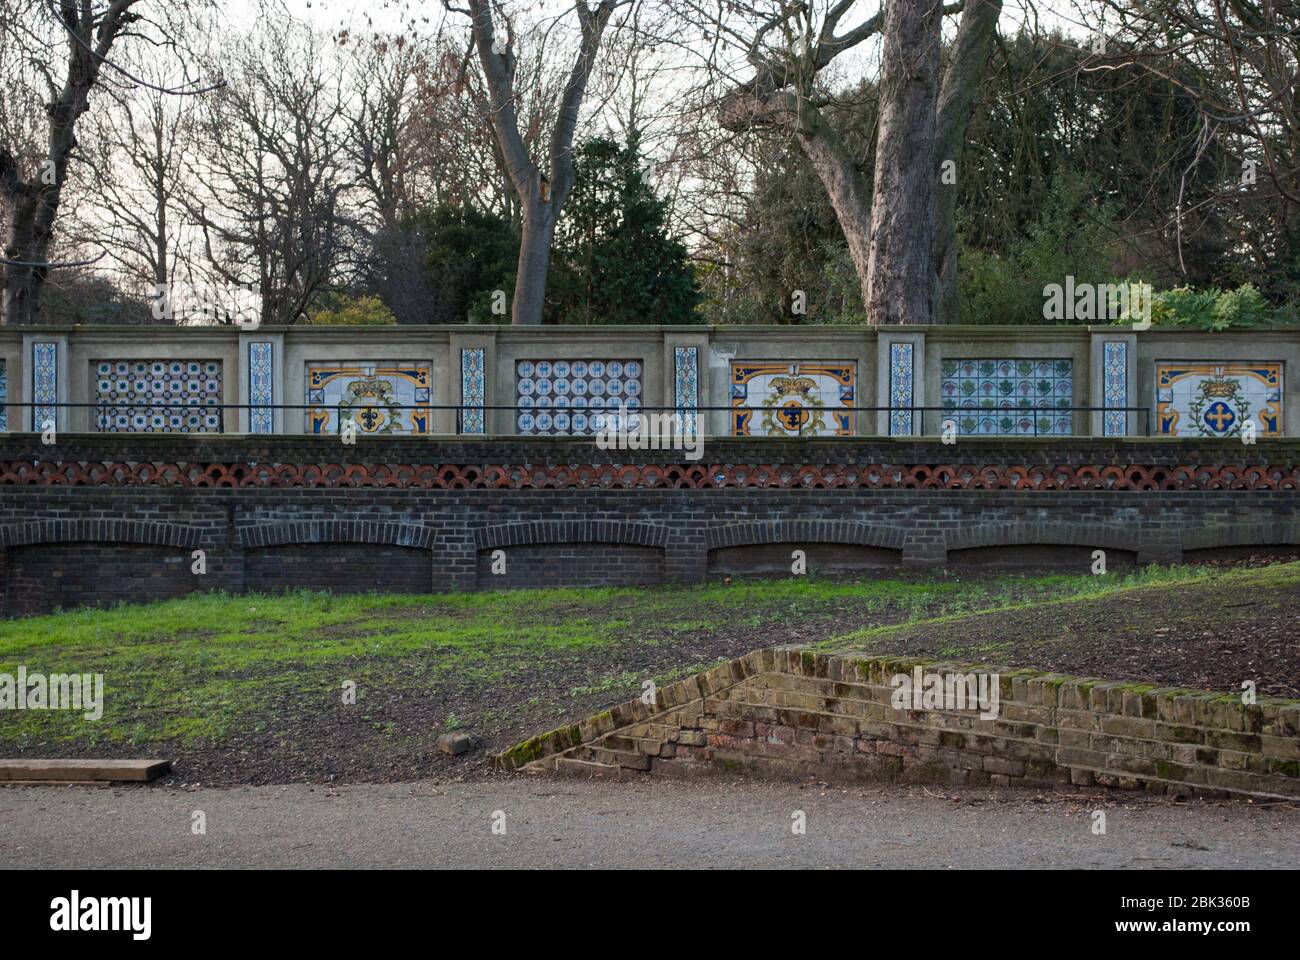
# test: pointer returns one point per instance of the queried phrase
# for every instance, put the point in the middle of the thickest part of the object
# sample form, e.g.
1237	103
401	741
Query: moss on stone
1287	768
1168	771
522	753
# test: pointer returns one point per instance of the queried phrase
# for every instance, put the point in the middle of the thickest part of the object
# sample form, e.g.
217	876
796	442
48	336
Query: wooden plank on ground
95	771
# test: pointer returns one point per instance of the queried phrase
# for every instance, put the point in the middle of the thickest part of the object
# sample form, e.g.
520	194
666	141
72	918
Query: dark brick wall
623	535
49	576
573	565
340	568
776	559
979	451
1031	556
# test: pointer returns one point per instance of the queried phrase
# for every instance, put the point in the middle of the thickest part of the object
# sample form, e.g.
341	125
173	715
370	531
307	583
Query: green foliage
1214	309
1072	236
842	286
342	310
469	256
614	260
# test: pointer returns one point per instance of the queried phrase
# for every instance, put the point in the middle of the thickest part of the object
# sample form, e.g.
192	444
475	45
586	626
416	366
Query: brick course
339	568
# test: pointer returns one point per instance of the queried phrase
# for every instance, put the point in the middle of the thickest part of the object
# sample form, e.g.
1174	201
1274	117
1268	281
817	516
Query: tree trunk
961	82
20	299
900	280
847	190
537	230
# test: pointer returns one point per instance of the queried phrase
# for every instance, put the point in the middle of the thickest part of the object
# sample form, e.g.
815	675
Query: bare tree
1239	61
542	187
31	186
138	156
33	178
270	177
383	117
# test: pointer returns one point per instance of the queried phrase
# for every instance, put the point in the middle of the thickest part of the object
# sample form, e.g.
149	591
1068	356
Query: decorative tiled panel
261	387
472	390
901	380
801	399
686	388
1216	399
1008	397
158	396
574	397
4	395
379	396
1114	364
45	384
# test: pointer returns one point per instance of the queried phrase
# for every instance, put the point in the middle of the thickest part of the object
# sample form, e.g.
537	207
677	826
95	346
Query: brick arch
755	532
1281	533
628	532
336	531
74	530
1047	533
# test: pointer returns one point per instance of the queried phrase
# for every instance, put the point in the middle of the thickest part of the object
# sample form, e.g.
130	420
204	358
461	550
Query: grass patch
213	668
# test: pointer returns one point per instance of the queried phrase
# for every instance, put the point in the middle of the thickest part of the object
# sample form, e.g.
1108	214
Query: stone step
623	758
573	767
642	745
82	771
655	731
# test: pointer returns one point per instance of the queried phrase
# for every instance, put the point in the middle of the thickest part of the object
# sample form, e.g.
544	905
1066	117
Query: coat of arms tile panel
1199	399
382	397
804	398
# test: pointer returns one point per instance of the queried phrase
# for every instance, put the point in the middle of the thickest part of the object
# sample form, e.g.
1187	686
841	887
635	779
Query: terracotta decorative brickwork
455	476
789	713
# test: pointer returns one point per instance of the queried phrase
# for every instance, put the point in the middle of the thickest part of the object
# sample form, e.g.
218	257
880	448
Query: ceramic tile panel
901	387
1216	399
261	387
1008	396
382	397
574	397
686	388
157	396
803	398
472	390
1114	387
45	384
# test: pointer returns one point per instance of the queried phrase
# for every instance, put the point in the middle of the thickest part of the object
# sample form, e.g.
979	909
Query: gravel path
656	824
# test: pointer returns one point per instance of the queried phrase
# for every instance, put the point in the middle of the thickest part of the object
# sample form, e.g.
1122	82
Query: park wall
788	713
776	382
140	463
103	518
